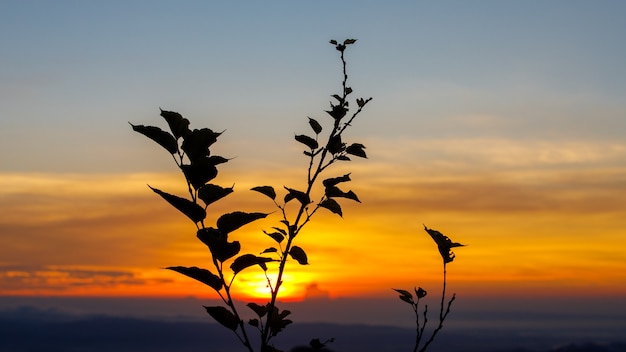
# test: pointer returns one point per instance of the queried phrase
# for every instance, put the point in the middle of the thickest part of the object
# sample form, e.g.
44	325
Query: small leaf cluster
444	244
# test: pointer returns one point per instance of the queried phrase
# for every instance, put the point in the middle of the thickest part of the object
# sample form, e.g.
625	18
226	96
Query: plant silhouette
191	152
444	245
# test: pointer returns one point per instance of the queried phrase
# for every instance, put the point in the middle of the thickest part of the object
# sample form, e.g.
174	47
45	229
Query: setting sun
254	286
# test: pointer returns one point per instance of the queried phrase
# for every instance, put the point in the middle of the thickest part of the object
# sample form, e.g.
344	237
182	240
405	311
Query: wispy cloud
58	279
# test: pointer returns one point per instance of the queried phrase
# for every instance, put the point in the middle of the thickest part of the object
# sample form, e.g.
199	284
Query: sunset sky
501	124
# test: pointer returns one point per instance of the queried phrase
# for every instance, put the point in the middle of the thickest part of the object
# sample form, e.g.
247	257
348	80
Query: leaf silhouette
277	236
230	222
298	254
308	141
299	195
223	316
332	205
336	180
218	244
199	172
335	145
317	128
278	321
266	190
197	142
248	260
420	292
406	296
336	192
178	125
356	149
210	193
202	275
215	159
337	112
164	139
444	244
193	211
258	309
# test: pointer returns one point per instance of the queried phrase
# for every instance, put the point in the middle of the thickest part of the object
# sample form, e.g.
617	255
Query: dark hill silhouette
31	330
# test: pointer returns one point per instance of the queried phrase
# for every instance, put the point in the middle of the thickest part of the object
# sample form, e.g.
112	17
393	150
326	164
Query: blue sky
74	72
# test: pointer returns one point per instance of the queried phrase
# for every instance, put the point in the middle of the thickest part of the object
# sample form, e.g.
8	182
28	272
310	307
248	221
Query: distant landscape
30	329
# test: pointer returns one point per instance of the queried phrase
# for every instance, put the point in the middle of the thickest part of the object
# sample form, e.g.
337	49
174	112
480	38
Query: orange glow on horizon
529	236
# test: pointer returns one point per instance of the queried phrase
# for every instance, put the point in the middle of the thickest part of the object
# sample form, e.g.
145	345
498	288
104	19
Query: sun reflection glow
256	286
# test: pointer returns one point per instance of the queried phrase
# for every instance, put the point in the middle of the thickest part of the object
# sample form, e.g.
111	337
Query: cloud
16	279
313	291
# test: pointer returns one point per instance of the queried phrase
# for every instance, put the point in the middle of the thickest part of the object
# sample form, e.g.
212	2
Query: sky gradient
501	124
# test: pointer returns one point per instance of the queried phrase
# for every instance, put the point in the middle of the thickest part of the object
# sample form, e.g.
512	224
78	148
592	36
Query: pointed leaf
270	250
192	210
337	111
332	205
266	190
223	316
258	309
248	260
335	145
406	296
308	141
356	149
420	292
336	192
210	193
336	180
444	244
230	222
218	244
403	292
202	275
178	125
281	230
216	160
278	321
277	236
333	42
349	41
197	142
164	139
298	254
317	128
299	195
199	172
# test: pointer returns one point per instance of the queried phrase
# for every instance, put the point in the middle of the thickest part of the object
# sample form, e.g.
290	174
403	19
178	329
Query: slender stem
443	293
442	313
418	335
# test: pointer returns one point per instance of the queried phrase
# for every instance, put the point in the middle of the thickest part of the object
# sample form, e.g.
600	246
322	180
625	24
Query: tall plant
190	150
